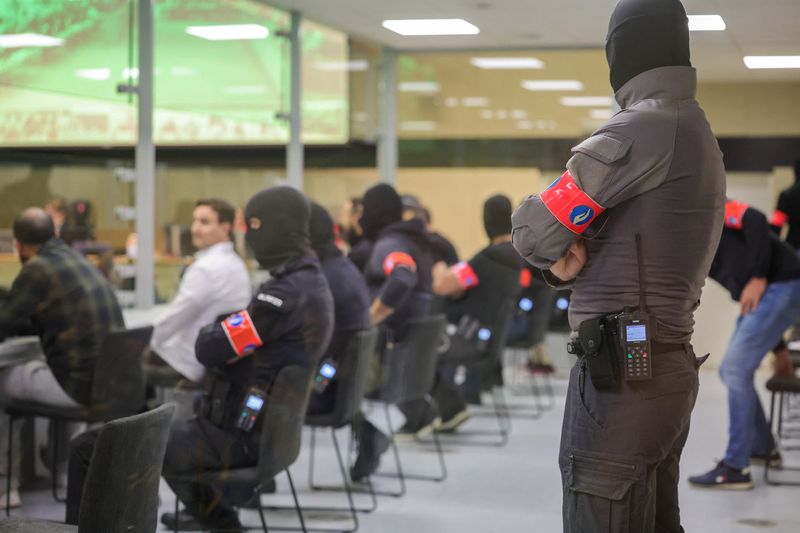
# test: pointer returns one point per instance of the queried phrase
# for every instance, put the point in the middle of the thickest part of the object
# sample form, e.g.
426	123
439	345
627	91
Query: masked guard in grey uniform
632	227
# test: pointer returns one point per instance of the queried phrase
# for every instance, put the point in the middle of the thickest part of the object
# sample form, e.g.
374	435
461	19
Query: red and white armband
734	213
572	207
242	334
467	278
398	259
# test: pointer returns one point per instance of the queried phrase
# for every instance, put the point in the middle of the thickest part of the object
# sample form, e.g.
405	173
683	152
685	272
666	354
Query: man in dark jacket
289	322
632	224
64	300
350	298
479	301
762	273
787	211
398	276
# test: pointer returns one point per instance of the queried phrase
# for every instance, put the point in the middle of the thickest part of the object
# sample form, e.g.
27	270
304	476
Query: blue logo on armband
554	183
235	320
581	214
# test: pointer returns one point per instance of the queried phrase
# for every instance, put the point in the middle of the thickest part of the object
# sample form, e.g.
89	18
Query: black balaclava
497	216
277	226
382	206
646	34
323	239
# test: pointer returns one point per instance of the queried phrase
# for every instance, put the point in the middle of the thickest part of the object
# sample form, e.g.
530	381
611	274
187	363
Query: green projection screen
221	74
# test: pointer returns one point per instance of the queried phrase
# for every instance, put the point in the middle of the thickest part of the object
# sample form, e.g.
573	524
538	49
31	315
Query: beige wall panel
751	109
455	197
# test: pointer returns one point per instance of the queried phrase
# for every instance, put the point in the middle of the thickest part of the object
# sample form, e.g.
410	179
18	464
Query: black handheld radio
634	332
327	371
635	337
251	406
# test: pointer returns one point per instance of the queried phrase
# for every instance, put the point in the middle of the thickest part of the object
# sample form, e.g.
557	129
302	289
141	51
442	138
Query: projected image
221	74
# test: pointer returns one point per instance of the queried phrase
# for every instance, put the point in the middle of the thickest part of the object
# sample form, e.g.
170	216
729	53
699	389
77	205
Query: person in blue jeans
762	273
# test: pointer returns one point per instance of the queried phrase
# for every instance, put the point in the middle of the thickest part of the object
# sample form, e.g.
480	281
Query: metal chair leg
398	465
440	454
345	481
296	502
177	501
54	426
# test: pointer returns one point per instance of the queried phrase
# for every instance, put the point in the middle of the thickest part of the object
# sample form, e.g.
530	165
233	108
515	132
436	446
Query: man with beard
288	322
647	192
398	276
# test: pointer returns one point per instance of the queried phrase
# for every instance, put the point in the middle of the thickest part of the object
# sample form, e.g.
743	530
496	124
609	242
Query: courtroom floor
517	487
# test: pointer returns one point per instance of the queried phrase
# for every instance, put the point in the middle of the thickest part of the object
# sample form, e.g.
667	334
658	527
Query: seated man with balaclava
398	276
475	292
64	300
350	301
216	282
287	323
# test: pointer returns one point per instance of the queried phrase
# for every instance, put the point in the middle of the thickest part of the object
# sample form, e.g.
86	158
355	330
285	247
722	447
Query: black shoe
371	446
187	522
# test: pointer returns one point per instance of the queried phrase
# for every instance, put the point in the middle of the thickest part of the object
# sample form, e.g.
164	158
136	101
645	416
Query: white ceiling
754	27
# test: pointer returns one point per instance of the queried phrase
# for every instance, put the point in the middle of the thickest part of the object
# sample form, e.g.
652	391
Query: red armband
779	218
734	213
242	334
572	207
467	277
525	278
397	259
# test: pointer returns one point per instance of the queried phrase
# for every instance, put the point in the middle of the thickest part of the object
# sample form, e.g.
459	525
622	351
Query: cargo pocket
598	494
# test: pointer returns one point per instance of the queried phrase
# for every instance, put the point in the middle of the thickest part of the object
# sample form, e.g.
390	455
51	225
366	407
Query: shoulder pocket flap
605	479
605	147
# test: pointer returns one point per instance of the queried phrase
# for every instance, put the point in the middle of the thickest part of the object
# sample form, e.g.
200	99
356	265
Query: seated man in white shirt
216	282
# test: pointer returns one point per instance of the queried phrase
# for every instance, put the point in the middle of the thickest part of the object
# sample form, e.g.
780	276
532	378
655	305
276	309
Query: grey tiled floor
517	488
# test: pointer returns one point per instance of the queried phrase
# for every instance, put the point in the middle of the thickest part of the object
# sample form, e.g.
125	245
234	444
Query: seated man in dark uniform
398	276
289	322
350	299
475	293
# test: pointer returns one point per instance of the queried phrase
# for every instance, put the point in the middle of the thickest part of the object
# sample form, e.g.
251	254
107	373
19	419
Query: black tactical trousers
621	449
196	446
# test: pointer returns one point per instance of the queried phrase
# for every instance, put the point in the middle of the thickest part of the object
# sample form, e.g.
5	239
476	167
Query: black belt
659	347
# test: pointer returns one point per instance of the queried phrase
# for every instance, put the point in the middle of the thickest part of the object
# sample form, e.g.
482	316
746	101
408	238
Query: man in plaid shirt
61	297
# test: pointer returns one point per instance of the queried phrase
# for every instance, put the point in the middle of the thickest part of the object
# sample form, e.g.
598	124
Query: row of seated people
314	303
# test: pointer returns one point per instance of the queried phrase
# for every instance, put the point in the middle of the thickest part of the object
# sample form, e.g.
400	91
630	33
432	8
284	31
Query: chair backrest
352	376
121	489
411	365
285	410
119	385
543	297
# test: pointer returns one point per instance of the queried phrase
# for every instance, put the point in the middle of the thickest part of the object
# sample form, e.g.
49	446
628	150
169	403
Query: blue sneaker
724	477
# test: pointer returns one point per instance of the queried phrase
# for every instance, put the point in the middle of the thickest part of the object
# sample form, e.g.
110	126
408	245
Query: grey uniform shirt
657	169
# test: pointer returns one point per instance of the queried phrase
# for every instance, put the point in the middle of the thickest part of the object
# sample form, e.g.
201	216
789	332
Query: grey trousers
621	449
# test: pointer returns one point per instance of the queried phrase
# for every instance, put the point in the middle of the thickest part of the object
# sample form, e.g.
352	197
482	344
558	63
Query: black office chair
279	447
489	367
542	298
121	489
410	368
118	389
351	385
782	389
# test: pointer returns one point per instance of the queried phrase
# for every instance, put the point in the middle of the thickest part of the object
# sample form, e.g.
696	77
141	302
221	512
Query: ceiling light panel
418	87
586	101
507	63
706	23
764	62
552	85
229	32
431	27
